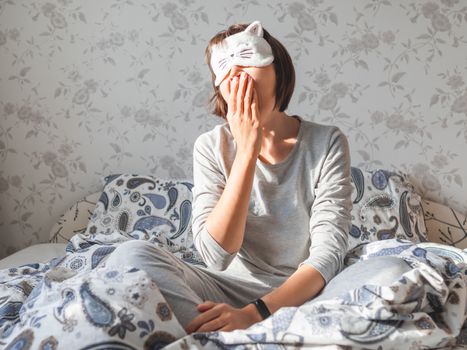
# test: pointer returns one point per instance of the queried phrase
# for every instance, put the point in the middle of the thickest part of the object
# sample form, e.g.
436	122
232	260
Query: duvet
75	302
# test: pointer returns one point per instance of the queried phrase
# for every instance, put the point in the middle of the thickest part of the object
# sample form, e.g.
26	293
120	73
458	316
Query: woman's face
264	82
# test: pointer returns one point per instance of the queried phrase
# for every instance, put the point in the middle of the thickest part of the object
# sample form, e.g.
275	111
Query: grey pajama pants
183	285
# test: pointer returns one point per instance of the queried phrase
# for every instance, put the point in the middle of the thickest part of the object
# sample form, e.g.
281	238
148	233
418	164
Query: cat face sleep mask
247	48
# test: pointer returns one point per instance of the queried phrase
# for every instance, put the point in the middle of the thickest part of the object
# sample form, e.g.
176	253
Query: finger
206	305
203	308
201	319
190	327
229	80
207	302
254	106
240	93
233	95
195	323
248	97
211	325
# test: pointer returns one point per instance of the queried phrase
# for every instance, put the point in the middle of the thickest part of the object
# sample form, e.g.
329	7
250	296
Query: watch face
262	308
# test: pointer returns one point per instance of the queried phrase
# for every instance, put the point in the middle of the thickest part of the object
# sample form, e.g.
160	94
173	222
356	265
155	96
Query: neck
276	128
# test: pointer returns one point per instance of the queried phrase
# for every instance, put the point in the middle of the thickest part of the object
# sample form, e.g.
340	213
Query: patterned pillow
385	205
444	224
74	220
149	208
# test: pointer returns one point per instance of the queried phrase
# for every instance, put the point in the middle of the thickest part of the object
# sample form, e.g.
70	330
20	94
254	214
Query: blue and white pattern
59	304
385	205
424	308
53	306
146	207
75	298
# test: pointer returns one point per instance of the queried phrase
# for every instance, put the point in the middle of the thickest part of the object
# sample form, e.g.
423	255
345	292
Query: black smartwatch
262	308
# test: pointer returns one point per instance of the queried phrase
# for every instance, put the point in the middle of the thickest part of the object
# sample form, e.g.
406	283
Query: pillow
385	205
74	220
149	208
444	224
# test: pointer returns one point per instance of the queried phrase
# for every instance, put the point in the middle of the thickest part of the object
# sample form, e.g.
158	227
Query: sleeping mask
247	48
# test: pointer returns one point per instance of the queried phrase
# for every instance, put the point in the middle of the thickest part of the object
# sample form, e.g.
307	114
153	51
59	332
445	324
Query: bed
60	294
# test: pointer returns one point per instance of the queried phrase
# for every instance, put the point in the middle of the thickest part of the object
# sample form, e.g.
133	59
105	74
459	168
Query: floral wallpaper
91	88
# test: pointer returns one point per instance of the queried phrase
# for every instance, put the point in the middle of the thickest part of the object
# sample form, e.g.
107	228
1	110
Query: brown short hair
283	66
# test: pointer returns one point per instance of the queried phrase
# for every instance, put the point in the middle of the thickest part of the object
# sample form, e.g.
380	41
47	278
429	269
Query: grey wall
89	88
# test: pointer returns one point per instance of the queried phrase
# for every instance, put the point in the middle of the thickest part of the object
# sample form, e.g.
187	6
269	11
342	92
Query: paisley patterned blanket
76	302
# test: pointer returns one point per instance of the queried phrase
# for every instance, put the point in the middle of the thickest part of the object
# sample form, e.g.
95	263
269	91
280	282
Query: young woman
271	197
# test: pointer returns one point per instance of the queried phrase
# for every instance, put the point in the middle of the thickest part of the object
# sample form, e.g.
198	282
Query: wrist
246	164
246	156
251	310
262	308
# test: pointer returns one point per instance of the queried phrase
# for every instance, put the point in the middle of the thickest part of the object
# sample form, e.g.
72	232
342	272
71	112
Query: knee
133	252
132	247
135	245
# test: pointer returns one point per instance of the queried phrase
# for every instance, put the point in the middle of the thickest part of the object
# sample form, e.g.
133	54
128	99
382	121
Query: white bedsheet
42	252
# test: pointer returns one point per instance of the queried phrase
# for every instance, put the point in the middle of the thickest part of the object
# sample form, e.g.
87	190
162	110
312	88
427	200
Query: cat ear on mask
255	28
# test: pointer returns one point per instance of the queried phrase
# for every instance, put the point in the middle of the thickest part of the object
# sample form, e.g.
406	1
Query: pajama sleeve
330	216
209	183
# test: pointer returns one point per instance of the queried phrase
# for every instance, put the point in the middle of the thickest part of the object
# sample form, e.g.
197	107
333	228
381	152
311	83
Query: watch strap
262	308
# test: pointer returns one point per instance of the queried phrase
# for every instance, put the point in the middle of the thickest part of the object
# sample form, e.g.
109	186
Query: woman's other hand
223	317
243	115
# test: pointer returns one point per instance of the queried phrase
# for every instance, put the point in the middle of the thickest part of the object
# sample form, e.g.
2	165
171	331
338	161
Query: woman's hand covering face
243	115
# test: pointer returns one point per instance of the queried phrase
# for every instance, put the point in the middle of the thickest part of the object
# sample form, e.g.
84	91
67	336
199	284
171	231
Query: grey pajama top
299	212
